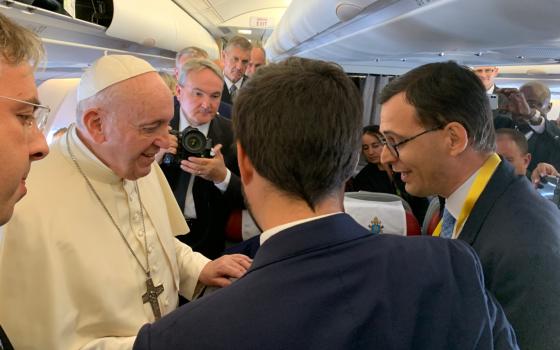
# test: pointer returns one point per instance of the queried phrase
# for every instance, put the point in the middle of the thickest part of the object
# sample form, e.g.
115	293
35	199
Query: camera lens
194	141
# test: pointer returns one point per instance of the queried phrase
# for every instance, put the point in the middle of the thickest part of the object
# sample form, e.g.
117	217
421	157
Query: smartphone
548	188
493	98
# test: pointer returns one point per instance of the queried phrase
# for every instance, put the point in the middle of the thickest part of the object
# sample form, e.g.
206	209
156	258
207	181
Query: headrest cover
109	70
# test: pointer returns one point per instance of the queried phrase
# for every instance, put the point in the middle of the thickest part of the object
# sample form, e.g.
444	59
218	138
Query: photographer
528	107
202	182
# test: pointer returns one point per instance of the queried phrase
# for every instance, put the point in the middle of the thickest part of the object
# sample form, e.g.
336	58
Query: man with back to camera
21	142
258	59
445	146
320	280
205	188
102	259
235	56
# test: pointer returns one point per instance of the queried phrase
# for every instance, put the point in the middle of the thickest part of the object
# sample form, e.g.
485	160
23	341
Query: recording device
191	142
549	189
493	99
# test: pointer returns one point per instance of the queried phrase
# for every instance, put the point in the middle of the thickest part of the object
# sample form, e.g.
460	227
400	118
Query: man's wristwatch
536	117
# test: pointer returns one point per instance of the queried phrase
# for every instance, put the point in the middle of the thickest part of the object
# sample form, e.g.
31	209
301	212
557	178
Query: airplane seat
432	217
233	226
379	197
60	96
412	226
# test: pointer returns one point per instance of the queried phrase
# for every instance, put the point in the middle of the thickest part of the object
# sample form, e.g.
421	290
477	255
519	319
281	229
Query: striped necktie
233	91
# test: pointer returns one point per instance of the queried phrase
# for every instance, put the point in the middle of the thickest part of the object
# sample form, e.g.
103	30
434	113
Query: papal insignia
376	226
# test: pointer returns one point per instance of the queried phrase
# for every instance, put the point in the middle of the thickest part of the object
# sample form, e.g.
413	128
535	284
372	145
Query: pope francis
90	254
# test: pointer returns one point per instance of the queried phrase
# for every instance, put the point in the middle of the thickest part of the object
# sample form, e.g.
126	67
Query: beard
248	206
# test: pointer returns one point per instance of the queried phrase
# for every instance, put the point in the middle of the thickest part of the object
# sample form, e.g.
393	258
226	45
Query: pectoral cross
151	295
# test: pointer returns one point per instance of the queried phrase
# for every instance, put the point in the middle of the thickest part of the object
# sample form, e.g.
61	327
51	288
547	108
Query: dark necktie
233	91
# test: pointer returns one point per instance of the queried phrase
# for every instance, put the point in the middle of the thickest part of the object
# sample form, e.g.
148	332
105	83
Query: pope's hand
218	272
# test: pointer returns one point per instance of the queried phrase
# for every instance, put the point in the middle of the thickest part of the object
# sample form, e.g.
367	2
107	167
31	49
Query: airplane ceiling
224	18
396	35
365	36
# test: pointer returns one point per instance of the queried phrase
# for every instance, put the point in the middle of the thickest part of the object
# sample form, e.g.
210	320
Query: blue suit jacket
331	284
516	234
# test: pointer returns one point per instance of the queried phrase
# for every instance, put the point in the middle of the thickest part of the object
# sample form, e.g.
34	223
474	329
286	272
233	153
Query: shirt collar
229	83
272	231
491	90
183	123
454	203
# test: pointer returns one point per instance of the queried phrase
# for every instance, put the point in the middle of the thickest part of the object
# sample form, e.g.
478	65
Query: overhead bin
159	24
405	33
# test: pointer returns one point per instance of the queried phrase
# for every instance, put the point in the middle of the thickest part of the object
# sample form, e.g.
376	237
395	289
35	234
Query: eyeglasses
40	113
394	147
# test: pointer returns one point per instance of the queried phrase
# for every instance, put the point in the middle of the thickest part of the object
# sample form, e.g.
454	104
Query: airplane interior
366	37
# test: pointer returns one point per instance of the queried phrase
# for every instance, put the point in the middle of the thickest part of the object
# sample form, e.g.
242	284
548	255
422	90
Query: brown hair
299	122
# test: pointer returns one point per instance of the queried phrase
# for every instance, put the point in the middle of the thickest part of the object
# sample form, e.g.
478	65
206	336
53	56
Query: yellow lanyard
476	189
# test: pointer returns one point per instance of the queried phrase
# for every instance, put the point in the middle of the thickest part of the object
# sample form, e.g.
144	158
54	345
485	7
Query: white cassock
67	278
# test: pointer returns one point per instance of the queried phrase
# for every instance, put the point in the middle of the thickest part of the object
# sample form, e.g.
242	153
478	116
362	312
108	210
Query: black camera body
549	188
191	143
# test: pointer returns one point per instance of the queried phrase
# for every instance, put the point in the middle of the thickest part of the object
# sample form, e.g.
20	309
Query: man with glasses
438	132
100	255
320	280
21	118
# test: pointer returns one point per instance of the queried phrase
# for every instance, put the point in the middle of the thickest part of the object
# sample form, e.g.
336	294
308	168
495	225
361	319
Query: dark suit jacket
516	234
543	147
331	284
225	110
226	97
4	341
212	206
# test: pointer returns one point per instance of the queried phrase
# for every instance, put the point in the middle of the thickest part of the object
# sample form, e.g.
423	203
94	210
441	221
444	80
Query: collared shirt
190	211
539	128
274	230
454	203
229	83
491	90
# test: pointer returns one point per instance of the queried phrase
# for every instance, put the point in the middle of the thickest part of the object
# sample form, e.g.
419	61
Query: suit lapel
498	184
174	123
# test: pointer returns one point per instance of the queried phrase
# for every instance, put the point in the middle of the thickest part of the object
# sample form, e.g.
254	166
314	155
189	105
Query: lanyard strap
475	191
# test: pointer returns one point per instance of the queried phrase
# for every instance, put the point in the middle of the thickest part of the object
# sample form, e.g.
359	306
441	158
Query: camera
191	142
549	189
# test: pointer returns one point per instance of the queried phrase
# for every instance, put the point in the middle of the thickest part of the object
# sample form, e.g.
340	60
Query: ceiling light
245	31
